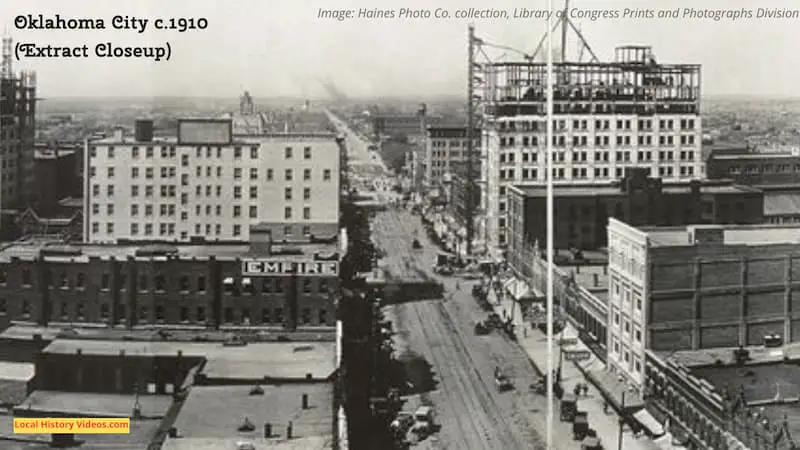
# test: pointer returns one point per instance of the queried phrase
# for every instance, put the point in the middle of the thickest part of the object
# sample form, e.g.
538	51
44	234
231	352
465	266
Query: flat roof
217	411
95	405
781	204
30	250
732	235
151	333
142	432
278	360
710	356
16	371
306	443
611	190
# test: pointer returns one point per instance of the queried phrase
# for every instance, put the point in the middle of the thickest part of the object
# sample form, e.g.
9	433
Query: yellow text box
46	425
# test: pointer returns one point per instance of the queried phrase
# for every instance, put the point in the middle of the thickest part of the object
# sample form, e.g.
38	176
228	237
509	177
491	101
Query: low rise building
290	286
582	212
698	287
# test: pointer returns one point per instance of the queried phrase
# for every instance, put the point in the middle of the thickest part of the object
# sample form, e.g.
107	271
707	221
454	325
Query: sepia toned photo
351	225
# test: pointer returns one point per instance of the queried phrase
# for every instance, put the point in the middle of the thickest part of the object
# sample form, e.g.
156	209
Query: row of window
452	143
599	141
160	283
170	152
560	173
229	315
583	124
616	353
764	168
170	172
583	156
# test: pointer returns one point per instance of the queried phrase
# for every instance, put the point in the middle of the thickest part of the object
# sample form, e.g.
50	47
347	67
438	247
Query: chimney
144	130
305	401
289	431
173	432
267	430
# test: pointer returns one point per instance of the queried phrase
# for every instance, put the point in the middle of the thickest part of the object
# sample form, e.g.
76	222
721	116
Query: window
288	153
237	230
183	283
306	230
307	174
228	315
288	175
253	191
323	317
80	281
253	152
287	212
201	284
306	193
307	153
278	315
287	193
306	316
105	281
237	152
237	211
253	173
201	314
270	174
326	175
253	212
184	314
160	283
307	213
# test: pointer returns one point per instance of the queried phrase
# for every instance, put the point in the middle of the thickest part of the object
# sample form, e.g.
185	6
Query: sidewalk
534	342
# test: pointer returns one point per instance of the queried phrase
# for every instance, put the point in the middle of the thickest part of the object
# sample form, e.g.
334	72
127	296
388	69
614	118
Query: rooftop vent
246	426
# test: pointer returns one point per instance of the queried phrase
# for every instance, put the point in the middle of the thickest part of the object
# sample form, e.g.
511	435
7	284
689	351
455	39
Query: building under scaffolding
17	132
630	113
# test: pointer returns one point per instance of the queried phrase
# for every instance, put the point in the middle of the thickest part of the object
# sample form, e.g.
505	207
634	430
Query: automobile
423	421
402	423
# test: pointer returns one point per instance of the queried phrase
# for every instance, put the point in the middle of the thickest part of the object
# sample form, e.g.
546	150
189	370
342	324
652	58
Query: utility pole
470	137
621	421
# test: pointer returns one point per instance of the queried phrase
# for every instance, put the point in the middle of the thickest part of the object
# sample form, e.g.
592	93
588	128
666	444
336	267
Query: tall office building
608	117
17	132
207	184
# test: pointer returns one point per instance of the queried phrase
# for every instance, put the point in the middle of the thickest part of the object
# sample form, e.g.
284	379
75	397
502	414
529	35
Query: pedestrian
605	406
585	390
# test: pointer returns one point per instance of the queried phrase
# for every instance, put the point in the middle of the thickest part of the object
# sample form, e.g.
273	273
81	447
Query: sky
282	48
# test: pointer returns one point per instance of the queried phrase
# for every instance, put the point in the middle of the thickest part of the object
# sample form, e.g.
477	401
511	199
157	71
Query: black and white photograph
386	225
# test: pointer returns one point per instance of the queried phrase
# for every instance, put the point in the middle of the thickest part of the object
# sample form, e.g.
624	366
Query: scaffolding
17	130
634	83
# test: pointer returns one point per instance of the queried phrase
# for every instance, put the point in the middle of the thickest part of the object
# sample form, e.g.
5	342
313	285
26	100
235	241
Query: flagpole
549	136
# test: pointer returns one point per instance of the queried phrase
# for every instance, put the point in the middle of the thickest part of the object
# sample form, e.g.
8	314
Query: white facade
587	149
628	294
174	190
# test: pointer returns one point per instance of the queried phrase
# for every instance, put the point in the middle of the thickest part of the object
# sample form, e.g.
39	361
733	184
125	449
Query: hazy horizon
286	51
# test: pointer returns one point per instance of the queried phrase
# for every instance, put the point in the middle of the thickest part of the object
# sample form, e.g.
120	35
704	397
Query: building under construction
633	112
17	132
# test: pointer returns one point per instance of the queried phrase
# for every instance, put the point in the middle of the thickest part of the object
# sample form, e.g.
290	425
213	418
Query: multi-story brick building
698	287
777	173
17	132
633	112
446	147
582	212
198	285
210	185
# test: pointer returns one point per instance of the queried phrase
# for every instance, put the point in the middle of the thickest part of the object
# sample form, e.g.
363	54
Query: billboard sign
577	355
277	268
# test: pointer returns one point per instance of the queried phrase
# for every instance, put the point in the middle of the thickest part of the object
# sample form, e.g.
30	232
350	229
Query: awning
648	421
521	290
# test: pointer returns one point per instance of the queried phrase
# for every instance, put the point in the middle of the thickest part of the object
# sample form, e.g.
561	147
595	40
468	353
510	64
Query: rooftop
218	411
84	404
175	334
254	361
78	252
732	235
779	204
608	190
306	443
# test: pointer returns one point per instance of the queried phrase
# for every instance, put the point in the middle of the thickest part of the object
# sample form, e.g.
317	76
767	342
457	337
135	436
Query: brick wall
723	296
176	291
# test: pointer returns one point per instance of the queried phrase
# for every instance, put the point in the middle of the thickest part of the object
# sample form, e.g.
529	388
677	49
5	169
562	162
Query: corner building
633	112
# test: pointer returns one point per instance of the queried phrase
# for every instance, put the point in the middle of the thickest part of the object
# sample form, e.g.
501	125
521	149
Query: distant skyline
283	50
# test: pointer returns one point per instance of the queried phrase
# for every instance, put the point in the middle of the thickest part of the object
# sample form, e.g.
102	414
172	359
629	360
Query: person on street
605	406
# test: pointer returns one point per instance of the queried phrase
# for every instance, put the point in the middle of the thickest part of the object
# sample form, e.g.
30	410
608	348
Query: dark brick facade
582	213
723	296
137	291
